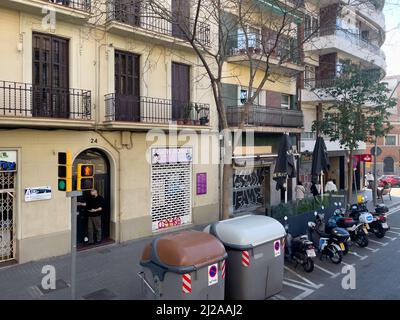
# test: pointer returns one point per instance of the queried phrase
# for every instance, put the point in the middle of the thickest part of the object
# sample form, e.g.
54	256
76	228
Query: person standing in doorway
94	207
300	192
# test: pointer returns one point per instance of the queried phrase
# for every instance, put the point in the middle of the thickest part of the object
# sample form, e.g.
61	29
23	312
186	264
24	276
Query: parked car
393	180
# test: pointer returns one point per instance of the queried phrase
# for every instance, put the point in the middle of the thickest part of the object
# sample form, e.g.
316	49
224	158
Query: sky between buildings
391	46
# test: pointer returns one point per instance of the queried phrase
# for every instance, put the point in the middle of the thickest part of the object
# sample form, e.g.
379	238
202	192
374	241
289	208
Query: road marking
397	228
278	297
398	233
346	264
306	291
307	282
333	275
378	242
390	238
370	249
357	255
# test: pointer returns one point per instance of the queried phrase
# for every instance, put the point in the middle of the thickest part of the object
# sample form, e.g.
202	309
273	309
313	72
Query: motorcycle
378	224
331	244
299	249
356	228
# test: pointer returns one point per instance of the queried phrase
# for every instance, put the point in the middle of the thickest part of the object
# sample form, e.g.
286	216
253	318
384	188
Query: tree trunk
350	178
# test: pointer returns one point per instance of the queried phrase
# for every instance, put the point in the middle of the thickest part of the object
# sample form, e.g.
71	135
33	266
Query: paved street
110	273
376	268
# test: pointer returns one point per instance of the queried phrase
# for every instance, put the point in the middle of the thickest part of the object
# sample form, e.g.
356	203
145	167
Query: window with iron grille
171	192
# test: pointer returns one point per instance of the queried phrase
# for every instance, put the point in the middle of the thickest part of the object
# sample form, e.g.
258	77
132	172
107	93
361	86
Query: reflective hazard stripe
223	269
186	283
245	258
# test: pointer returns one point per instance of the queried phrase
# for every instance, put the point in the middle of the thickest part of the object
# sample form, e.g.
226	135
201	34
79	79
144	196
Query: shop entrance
102	185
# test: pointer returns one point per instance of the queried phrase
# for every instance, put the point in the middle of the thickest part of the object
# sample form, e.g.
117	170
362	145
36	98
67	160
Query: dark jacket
314	190
95	203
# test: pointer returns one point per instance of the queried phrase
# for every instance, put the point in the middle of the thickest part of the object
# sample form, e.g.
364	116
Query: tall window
285	101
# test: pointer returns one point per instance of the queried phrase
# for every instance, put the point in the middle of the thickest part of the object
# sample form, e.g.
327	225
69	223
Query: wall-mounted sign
201	183
37	194
8	160
171	155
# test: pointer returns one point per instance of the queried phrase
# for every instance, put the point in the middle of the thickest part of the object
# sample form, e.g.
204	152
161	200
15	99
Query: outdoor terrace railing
285	50
26	100
141	14
265	116
155	110
82	5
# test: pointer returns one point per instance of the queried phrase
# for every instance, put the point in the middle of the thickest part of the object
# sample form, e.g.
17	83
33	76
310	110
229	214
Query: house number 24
93	140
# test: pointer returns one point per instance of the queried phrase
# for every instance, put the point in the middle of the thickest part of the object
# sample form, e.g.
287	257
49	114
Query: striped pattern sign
245	258
187	283
223	269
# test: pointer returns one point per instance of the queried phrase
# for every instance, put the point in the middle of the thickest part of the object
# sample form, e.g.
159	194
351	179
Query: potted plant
187	112
202	120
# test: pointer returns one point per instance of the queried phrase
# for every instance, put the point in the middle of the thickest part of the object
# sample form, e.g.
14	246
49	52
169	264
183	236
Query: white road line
333	275
346	264
278	297
390	238
357	255
378	242
398	233
306	291
396	228
308	282
370	249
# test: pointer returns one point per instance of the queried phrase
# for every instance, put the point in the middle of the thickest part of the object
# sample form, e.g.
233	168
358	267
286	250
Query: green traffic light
62	185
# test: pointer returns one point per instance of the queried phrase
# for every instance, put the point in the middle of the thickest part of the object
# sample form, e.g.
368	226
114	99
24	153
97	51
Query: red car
393	180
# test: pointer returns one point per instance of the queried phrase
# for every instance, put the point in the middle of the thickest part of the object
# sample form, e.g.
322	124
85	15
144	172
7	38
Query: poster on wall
8	161
201	183
37	194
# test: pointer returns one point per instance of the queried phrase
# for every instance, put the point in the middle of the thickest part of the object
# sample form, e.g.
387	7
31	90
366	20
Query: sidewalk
108	272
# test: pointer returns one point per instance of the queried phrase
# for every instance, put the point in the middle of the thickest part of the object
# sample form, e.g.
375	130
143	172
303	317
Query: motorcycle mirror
315	213
285	218
340	204
336	203
322	207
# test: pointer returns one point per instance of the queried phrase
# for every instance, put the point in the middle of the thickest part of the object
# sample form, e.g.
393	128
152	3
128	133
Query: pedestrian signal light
85	179
64	171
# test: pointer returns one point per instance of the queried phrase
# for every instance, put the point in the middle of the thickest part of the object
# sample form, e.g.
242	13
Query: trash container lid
184	249
247	231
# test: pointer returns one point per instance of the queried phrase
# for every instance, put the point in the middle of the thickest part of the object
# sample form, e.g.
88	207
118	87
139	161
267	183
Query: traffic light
85	179
65	171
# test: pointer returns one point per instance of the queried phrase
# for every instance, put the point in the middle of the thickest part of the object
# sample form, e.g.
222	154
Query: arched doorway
388	165
102	184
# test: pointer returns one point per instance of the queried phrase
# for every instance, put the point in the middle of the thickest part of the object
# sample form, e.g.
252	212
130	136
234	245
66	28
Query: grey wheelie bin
187	265
254	268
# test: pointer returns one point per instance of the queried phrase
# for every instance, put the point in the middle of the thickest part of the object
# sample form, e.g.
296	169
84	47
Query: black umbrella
284	167
320	160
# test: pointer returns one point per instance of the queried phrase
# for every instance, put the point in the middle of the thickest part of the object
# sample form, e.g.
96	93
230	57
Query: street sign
379	151
213	274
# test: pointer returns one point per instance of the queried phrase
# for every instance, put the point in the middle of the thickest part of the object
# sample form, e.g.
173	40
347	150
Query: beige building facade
127	95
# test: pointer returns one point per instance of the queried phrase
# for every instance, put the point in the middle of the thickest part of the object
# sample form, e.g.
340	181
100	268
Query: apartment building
338	31
388	160
263	40
115	84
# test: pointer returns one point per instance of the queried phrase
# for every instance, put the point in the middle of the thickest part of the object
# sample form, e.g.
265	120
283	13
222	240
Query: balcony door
128	11
50	76
181	16
127	86
180	91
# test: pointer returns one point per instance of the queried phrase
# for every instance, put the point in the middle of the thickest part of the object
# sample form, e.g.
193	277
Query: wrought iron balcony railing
82	5
142	15
155	110
286	50
265	116
27	100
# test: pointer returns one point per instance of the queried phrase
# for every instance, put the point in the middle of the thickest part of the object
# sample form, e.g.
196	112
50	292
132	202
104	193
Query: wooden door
181	17
180	90
50	76
127	87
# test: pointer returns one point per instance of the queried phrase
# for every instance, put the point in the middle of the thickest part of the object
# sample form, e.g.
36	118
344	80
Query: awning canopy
282	9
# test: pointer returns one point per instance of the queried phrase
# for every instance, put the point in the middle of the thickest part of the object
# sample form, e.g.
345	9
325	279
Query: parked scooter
299	250
379	224
356	228
330	244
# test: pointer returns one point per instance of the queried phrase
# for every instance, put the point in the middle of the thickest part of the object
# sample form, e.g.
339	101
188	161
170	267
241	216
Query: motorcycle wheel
308	266
380	233
335	255
362	240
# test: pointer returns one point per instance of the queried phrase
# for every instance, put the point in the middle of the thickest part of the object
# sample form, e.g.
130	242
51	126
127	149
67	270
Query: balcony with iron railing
142	19
283	56
71	10
326	40
262	116
149	111
30	104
